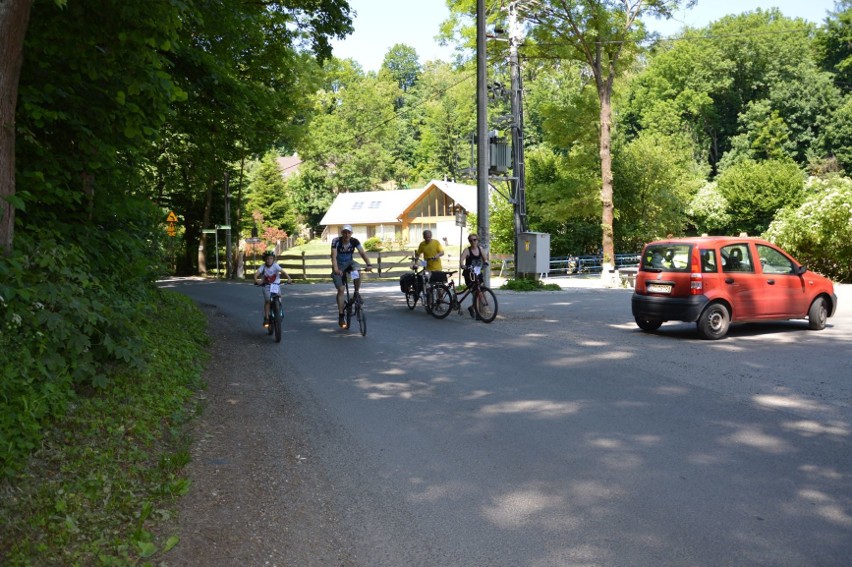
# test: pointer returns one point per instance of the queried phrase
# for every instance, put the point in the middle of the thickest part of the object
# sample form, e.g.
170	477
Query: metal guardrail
589	264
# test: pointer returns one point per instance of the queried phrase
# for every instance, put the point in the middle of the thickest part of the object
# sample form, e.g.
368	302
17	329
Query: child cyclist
269	273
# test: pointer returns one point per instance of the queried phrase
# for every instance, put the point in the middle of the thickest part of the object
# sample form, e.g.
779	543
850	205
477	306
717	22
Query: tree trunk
605	94
14	18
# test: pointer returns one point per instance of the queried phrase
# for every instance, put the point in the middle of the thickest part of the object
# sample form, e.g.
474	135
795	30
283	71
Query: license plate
274	288
659	288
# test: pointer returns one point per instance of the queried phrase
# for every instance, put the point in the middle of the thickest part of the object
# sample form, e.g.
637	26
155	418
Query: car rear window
671	257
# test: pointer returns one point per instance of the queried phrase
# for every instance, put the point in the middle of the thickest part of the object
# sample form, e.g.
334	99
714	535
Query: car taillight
696	283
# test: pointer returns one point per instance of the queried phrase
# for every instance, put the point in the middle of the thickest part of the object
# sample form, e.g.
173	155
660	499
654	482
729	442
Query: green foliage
373	244
708	211
834	44
529	285
838	134
655	177
102	477
756	190
819	231
266	193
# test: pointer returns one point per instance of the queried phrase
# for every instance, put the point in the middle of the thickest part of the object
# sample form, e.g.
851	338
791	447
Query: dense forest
125	111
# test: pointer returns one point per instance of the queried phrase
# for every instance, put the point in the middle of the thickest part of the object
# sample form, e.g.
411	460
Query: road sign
209	231
170	230
172	217
253	240
223	226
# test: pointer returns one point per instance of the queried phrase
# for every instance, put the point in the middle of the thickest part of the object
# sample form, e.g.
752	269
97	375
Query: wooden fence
386	265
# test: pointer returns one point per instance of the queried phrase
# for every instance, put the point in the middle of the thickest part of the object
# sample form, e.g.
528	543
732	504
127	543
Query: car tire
714	322
817	314
648	325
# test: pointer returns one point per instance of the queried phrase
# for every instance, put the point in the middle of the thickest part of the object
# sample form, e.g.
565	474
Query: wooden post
304	270
379	263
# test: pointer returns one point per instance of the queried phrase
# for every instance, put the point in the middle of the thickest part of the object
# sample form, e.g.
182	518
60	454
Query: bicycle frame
353	305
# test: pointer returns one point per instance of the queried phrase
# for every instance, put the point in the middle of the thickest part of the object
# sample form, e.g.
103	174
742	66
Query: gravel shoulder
254	498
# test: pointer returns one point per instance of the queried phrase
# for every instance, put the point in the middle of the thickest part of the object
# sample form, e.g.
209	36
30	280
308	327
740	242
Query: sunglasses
472	239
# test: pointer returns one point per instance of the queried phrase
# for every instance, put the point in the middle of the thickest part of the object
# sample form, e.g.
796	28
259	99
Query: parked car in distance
715	280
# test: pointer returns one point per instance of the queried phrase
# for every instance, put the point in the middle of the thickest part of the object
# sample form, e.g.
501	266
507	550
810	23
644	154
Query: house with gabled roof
402	215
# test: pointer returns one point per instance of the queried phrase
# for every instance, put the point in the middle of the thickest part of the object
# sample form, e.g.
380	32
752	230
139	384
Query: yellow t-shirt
430	249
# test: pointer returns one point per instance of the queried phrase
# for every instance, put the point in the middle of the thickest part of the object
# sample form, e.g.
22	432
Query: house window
375	204
358	204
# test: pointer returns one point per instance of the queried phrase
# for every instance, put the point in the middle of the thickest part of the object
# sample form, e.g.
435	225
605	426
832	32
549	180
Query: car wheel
714	322
648	325
817	314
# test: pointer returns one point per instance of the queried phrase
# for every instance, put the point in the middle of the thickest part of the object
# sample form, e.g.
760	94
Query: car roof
710	240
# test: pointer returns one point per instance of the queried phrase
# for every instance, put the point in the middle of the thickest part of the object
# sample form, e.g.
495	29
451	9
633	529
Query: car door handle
770	282
729	280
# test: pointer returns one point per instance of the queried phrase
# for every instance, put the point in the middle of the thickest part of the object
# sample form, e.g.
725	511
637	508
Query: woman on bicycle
342	251
269	273
473	257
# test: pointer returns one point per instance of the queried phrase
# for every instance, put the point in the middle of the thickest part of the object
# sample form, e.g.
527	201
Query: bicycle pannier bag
406	281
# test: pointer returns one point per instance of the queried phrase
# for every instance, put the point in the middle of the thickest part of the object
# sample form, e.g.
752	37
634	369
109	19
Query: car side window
708	261
737	258
773	261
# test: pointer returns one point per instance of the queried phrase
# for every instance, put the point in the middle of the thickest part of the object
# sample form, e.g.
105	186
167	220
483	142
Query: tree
834	44
14	17
755	191
656	178
604	35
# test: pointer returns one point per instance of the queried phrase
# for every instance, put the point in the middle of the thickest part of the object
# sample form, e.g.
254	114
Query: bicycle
417	288
446	299
354	305
276	310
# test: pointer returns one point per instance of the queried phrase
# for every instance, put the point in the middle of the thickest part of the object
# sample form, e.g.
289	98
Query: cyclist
472	257
342	251
269	273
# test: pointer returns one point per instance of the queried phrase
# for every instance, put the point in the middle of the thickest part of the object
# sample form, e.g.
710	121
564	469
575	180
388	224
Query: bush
373	244
529	285
819	231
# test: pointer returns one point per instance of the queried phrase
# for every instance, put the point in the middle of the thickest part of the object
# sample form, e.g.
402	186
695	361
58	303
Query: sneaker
341	321
472	312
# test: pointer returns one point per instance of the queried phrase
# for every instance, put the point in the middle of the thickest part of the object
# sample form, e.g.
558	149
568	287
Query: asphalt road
562	435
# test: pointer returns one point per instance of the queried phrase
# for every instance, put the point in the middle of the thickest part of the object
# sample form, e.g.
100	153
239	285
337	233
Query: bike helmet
268	253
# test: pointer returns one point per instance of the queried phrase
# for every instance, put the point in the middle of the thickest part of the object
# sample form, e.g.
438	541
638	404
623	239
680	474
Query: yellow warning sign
172	217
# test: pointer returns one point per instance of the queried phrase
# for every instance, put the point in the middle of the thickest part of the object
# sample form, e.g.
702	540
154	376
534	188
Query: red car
716	280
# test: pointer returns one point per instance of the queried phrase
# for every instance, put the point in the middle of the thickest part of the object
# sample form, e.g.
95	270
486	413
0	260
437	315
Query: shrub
529	285
819	231
373	244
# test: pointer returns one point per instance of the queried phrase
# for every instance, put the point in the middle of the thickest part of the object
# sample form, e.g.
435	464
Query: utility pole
518	172
483	145
227	230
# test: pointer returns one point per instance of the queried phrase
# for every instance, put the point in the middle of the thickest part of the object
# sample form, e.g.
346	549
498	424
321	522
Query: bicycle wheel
485	304
411	298
426	299
362	320
276	321
442	301
270	328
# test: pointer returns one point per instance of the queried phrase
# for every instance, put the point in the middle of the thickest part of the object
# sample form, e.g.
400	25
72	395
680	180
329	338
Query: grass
110	470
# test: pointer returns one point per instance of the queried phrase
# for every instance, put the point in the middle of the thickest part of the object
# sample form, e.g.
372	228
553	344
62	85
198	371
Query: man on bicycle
342	251
269	273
